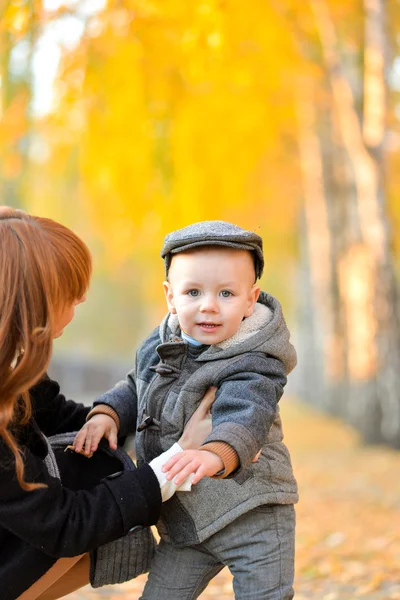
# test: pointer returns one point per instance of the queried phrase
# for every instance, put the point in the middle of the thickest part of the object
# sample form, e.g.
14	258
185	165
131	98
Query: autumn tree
277	118
352	275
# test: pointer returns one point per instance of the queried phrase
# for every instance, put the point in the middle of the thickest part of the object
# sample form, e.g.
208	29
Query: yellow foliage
16	18
183	107
168	112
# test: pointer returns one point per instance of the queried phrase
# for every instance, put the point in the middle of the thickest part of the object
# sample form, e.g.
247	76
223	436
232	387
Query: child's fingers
192	467
79	440
96	435
88	442
112	440
172	461
199	474
94	444
184	467
93	437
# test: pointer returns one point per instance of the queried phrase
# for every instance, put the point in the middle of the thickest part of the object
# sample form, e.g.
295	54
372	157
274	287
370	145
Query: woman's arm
62	522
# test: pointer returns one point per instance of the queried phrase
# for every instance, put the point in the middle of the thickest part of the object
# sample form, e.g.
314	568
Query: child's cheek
185	301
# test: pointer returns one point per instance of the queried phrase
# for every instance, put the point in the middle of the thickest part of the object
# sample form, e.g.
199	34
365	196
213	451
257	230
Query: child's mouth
208	326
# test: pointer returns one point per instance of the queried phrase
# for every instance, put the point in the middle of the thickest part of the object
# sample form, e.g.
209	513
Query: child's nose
209	304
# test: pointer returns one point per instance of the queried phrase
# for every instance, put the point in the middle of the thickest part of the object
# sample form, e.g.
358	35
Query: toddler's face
211	290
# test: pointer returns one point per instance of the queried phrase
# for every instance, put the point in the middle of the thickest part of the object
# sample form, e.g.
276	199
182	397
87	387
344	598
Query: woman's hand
199	425
98	426
199	462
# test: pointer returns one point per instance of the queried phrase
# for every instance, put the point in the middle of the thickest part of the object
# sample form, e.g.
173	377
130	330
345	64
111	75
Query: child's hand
199	462
99	426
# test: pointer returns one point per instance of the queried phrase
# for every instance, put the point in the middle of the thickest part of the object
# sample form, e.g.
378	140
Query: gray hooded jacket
167	384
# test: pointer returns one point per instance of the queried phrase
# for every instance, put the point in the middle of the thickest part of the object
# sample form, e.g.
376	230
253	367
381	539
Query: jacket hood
264	331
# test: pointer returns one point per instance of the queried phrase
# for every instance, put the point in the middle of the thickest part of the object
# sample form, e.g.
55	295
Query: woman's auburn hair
44	268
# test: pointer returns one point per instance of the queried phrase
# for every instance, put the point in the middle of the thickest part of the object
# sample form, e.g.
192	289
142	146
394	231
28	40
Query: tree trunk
386	300
320	363
365	270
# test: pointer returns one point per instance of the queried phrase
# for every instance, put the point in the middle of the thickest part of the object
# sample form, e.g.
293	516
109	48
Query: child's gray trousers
258	549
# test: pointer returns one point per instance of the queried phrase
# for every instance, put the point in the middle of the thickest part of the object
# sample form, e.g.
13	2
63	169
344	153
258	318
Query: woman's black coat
40	526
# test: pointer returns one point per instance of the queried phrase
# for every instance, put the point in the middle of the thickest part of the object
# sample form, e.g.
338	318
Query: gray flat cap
213	233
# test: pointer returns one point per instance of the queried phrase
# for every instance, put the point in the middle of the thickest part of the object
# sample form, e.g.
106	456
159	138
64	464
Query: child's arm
113	414
122	398
246	405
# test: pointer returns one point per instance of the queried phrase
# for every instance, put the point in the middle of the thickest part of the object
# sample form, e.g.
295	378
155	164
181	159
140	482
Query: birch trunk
365	270
320	361
386	300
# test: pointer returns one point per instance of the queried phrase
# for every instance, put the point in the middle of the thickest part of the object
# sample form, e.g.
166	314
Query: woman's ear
252	299
169	296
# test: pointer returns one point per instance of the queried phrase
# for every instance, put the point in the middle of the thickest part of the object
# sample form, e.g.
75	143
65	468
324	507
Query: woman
45	271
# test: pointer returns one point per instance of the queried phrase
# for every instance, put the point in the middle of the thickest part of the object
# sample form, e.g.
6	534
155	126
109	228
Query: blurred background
126	119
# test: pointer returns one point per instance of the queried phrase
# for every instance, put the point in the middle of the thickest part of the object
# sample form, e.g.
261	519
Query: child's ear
252	299
169	295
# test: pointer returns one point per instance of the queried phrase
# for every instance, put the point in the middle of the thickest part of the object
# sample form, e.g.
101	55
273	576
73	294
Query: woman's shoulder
44	390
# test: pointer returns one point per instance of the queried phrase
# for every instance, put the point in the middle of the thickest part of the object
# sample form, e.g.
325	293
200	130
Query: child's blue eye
226	294
193	293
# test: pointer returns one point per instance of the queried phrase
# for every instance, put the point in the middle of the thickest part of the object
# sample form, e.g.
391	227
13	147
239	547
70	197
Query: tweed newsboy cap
213	233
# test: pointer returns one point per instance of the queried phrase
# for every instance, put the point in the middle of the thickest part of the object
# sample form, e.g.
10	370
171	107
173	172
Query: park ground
348	517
